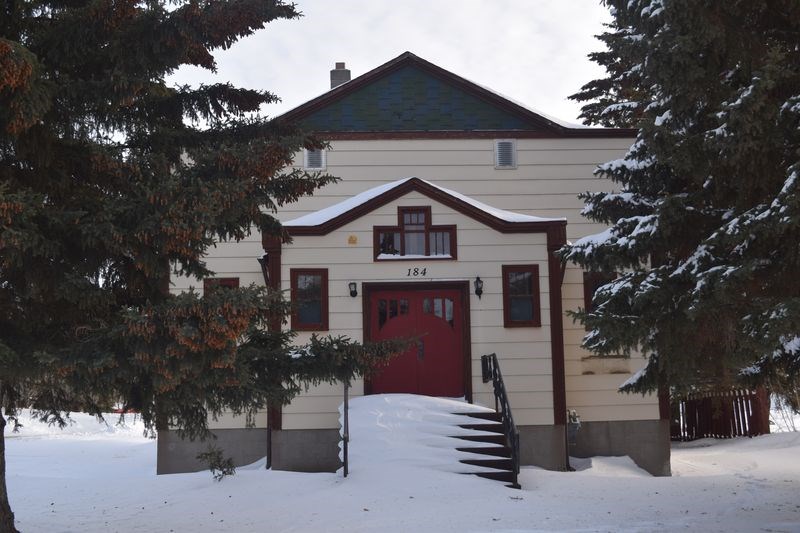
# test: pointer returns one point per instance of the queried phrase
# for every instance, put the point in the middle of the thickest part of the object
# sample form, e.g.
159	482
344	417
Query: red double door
434	363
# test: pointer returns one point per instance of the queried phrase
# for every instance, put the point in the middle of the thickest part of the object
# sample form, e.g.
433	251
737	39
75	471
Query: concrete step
492	428
495	417
507	477
498	438
498	451
500	464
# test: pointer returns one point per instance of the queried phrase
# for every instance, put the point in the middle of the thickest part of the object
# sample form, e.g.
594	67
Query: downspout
270	263
264	262
556	238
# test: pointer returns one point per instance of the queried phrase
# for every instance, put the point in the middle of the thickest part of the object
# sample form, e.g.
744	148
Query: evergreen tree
109	178
612	101
705	227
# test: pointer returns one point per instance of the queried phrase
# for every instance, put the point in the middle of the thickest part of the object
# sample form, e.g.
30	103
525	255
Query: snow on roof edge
329	213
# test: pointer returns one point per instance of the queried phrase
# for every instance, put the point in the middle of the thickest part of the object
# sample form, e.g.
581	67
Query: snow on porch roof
338	214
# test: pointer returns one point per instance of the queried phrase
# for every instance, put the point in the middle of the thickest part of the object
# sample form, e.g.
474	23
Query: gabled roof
330	218
409	97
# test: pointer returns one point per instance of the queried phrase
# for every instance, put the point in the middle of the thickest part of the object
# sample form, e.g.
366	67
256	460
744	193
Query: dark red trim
570	133
434	193
368	288
536	300
271	269
294	273
591	282
556	238
399	228
548	127
210	284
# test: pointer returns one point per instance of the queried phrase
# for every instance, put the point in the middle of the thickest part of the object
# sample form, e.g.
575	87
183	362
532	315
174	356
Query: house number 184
416	272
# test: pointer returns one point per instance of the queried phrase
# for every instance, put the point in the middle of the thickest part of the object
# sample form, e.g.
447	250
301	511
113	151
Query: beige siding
549	176
229	421
592	382
530	361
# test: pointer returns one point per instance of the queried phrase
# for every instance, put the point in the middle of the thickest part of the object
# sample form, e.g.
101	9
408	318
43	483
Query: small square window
505	154
521	296
309	293
314	159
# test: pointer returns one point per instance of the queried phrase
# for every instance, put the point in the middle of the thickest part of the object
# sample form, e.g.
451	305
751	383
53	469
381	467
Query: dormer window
313	159
505	154
414	237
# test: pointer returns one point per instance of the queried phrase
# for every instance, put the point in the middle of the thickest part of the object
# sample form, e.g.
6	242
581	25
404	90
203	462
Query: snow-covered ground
96	478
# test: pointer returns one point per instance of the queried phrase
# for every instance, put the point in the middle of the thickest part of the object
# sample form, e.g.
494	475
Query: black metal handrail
491	372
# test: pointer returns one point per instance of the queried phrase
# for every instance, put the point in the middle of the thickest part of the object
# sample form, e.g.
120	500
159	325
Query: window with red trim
591	282
211	284
521	306
309	293
414	237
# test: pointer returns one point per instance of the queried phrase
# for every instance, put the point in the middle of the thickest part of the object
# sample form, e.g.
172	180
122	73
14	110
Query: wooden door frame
369	288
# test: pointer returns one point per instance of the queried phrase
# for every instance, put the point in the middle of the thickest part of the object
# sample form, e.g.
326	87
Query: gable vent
505	154
314	159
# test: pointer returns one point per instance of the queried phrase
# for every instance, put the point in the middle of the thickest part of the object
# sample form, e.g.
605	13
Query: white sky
533	51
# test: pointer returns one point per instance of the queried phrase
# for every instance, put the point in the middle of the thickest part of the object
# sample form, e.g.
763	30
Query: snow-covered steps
425	434
492	456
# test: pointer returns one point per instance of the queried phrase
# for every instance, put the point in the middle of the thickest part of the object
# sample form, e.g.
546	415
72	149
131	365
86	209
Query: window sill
526	324
413	257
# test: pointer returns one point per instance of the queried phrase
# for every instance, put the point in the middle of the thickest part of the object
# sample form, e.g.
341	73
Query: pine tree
109	178
705	227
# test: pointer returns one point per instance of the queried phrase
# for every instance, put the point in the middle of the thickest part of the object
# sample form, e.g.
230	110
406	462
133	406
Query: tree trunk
6	516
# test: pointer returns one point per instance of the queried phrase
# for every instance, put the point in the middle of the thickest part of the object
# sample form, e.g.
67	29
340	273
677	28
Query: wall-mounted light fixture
478	287
353	289
264	262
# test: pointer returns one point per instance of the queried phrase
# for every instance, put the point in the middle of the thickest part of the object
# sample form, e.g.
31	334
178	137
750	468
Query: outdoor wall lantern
353	289
478	287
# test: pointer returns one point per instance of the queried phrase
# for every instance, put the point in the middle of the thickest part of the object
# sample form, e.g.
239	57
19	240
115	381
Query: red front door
434	364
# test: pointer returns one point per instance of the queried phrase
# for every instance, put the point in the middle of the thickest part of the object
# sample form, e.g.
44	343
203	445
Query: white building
451	204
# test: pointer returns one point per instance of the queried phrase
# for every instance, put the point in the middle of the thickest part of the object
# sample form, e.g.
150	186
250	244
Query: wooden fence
720	415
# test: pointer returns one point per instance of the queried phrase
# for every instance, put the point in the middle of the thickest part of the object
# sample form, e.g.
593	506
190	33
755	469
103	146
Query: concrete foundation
177	455
317	450
645	441
543	446
306	450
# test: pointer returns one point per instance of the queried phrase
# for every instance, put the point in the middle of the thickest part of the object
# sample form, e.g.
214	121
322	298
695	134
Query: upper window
414	237
211	284
314	159
309	295
505	153
521	296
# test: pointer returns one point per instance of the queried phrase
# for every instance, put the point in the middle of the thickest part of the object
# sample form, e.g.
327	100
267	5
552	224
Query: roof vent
314	159
505	153
339	75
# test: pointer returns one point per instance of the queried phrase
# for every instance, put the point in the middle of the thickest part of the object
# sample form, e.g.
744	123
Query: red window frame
297	324
450	229
535	297
591	282
210	284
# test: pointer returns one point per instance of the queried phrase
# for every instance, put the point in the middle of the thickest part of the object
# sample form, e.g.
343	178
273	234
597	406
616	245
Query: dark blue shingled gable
409	99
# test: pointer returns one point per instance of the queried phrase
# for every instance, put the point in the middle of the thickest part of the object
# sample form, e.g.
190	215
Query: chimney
339	75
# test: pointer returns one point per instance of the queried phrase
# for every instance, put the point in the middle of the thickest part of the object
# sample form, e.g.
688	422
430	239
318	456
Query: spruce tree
110	177
705	225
